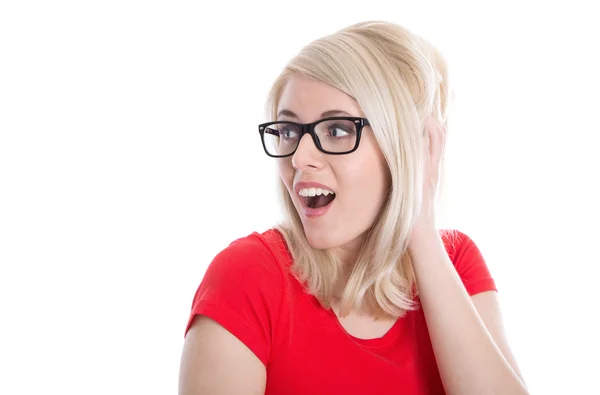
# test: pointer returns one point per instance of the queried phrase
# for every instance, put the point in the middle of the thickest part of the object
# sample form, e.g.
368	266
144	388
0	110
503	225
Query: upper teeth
314	192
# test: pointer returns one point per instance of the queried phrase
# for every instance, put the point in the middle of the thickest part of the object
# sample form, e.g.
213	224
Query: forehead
309	98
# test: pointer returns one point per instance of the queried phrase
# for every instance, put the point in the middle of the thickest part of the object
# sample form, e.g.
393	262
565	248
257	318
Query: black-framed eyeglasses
334	135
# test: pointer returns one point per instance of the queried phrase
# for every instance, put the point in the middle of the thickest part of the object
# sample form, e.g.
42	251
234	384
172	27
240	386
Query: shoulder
457	243
243	283
249	266
468	261
241	295
256	252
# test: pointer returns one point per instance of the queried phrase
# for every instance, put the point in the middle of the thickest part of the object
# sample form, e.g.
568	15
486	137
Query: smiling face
360	180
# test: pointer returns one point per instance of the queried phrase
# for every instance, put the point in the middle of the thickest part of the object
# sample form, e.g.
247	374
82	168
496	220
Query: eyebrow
330	113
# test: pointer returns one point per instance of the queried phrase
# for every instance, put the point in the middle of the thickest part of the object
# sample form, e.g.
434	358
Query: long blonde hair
398	79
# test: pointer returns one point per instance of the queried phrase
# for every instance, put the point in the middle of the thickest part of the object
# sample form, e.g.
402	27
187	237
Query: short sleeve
469	263
241	290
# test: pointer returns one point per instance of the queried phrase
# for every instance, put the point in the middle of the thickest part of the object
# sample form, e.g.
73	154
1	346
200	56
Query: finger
436	137
436	145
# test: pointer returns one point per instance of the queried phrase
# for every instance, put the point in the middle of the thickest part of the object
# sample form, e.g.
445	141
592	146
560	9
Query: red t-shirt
249	290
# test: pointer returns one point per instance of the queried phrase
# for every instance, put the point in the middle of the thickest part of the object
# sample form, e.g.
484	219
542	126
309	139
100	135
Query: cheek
369	180
286	171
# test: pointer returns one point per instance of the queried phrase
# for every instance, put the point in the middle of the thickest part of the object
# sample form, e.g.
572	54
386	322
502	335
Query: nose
307	154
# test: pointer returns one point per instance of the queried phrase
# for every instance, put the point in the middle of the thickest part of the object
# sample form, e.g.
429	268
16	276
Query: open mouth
316	197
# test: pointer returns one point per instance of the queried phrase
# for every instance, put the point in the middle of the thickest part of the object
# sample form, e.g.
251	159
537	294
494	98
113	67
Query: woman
357	292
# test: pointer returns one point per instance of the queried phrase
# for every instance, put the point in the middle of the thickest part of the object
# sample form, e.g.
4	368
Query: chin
323	239
319	242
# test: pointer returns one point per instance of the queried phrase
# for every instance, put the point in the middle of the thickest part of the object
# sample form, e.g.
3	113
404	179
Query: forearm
467	357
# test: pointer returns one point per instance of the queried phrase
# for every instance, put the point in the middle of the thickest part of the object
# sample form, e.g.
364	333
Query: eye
338	131
288	133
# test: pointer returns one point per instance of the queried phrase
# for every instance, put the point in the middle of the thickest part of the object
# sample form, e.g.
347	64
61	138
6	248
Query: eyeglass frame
309	128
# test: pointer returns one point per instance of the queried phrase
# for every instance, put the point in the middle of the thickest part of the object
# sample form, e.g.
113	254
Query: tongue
321	200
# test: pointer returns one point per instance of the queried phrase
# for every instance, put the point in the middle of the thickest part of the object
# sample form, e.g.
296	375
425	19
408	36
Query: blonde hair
399	80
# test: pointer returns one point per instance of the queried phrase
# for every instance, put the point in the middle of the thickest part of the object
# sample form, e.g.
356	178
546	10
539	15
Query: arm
466	333
214	362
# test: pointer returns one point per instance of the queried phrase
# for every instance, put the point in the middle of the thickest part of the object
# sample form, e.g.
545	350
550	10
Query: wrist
424	240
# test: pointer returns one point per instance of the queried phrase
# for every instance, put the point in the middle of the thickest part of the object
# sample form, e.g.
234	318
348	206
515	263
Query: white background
129	156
